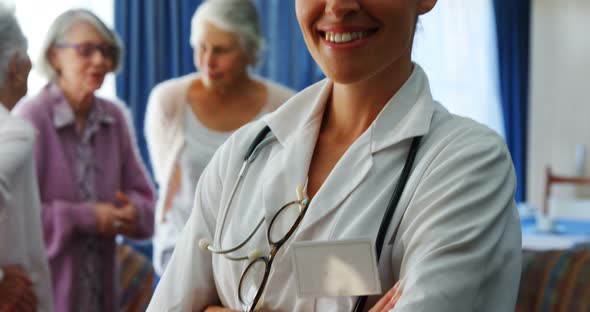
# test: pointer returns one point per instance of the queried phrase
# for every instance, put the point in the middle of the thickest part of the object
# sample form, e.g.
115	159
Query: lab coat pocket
336	268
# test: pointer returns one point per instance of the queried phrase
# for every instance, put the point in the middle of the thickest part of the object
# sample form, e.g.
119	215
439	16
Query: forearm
461	234
137	186
63	219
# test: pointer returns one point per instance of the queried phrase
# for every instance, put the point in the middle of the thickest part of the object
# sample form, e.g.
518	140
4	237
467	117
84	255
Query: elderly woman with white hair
93	184
189	117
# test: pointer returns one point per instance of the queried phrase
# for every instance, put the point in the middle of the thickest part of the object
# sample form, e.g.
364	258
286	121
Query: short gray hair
238	17
12	40
59	28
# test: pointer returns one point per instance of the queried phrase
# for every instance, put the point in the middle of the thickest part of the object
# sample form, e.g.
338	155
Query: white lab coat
457	244
21	234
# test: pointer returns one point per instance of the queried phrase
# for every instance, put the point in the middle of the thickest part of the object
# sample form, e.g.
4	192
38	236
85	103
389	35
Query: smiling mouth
345	37
213	76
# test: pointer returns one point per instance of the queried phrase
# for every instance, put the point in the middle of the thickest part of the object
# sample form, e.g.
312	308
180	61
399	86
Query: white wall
36	16
560	92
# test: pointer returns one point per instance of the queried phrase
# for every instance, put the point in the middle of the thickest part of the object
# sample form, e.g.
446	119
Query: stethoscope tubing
253	150
259	142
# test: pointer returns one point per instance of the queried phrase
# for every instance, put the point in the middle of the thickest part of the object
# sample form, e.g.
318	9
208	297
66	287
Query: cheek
231	63
75	72
303	9
307	12
110	65
301	13
197	59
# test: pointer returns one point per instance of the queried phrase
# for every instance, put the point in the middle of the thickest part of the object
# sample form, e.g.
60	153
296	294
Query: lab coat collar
299	112
407	114
3	110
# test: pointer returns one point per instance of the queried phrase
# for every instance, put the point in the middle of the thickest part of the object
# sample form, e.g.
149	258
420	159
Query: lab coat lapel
407	114
345	177
296	127
292	165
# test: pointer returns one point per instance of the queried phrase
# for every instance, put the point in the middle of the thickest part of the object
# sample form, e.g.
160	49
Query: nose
210	59
342	8
98	57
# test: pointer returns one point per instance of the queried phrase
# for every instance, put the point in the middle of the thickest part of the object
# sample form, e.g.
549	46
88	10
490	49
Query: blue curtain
155	42
513	30
286	58
155	35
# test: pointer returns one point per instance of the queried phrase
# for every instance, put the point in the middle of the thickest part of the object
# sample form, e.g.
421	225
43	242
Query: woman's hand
388	301
16	291
106	220
127	215
112	220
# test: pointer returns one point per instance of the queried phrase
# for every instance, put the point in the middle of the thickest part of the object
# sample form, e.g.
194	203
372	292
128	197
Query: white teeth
344	37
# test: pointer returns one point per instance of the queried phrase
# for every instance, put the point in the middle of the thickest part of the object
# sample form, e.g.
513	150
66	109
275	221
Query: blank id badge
336	268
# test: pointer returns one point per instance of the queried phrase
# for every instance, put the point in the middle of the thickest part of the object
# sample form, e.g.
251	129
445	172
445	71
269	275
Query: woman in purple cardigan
93	185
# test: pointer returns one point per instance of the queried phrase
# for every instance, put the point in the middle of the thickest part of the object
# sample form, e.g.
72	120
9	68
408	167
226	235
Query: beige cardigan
164	125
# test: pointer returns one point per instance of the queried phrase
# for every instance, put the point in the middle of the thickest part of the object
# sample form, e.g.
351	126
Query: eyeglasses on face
87	49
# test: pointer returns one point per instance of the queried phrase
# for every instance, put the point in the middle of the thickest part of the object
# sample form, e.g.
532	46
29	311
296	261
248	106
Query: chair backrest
551	178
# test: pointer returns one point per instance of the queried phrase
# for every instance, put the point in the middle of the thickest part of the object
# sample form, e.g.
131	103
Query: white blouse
174	133
200	145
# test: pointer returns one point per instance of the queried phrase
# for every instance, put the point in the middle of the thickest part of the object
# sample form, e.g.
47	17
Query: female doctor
288	230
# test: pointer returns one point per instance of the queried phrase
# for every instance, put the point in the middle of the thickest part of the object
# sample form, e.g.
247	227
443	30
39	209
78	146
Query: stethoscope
259	142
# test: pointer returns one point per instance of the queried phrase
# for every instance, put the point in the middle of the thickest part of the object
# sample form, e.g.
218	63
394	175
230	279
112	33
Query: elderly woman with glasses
93	184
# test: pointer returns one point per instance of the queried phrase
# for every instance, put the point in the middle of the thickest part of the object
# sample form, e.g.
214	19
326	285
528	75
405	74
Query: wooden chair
551	179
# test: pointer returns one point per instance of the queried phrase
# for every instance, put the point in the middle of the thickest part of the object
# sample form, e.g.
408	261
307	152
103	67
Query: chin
345	72
93	87
348	76
206	82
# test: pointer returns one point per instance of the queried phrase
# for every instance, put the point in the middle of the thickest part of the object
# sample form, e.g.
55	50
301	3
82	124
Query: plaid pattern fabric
555	281
136	278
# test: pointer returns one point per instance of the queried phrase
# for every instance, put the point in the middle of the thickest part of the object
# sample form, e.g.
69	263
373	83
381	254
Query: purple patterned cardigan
66	218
